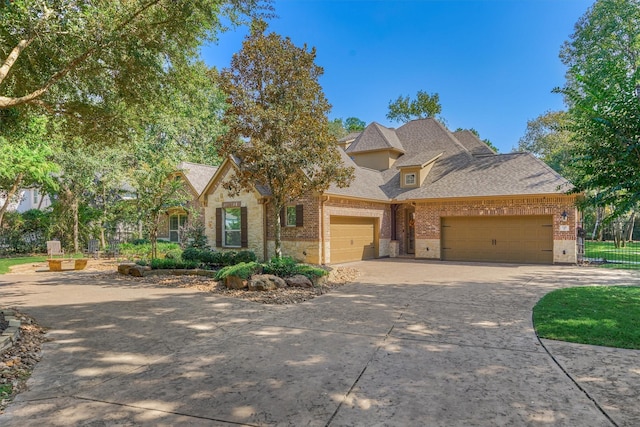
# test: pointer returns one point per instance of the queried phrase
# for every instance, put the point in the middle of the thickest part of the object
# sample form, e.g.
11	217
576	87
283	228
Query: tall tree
601	92
26	153
277	122
354	124
424	105
548	137
84	59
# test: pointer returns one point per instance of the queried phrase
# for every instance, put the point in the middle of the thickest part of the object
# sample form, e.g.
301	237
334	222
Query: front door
410	226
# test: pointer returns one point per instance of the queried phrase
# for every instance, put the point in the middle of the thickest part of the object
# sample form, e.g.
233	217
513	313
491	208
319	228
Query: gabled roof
376	137
498	175
197	175
463	166
366	184
418	160
475	145
349	137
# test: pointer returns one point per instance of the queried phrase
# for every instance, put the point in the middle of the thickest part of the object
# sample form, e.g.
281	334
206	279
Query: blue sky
494	63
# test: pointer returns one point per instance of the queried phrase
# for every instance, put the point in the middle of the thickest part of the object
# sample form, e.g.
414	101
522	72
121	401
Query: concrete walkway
412	343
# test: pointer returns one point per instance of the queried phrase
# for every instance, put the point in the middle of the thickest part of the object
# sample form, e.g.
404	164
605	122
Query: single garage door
352	239
516	239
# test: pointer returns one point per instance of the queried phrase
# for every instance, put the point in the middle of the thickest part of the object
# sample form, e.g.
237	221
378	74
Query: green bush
281	267
217	258
193	254
310	271
138	242
143	250
245	256
244	270
173	254
170	264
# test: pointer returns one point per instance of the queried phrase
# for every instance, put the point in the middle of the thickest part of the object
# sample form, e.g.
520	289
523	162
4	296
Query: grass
5	390
596	315
625	257
5	263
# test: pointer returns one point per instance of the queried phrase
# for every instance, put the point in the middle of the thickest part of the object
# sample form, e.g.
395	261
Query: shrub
169	264
245	256
244	270
310	271
195	236
281	267
227	258
173	254
143	250
137	242
193	254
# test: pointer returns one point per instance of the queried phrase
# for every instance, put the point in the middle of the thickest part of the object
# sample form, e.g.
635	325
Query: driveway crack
355	383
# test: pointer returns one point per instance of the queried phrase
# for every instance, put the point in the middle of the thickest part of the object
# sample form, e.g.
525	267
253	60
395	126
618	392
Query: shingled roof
475	145
376	137
464	166
197	174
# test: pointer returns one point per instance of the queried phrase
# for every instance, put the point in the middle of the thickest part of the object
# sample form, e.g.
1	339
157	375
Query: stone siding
217	195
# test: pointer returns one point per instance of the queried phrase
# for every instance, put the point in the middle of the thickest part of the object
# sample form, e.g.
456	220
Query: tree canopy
548	137
602	57
277	121
424	105
85	59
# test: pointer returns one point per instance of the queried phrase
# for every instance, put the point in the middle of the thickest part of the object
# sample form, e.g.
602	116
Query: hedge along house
195	177
419	191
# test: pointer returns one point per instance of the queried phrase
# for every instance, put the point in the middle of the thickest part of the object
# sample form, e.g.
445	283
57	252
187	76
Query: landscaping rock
138	270
235	282
266	282
124	268
299	281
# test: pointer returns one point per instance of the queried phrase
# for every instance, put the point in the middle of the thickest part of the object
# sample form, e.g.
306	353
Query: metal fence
613	246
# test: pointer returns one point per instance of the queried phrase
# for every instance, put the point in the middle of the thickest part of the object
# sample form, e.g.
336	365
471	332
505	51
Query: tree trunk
277	207
617	233
153	237
12	191
597	225
76	225
632	223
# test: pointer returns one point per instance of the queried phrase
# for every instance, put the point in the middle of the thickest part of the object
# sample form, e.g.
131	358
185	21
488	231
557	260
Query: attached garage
515	239
353	239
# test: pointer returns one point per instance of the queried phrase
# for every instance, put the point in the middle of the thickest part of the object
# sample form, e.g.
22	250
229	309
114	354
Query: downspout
323	255
265	243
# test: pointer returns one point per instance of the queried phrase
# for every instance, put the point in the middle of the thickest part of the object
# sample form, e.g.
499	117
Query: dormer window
409	179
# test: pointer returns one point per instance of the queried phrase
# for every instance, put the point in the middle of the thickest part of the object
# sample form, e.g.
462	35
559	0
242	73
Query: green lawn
598	315
625	257
5	263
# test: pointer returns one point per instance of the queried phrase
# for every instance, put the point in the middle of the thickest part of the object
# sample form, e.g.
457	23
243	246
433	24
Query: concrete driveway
412	343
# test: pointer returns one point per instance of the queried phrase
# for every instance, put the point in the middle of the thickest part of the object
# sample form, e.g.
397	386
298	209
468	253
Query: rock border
132	269
12	334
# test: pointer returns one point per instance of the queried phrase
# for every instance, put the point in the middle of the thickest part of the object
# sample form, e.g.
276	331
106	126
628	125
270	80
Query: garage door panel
352	239
526	239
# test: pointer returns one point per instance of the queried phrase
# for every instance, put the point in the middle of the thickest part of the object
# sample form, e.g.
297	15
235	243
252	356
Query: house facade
418	191
194	177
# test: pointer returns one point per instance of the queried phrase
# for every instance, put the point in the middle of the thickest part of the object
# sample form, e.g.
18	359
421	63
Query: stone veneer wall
217	195
428	214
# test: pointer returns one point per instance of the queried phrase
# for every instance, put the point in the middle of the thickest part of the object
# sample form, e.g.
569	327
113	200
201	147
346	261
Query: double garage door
521	239
352	239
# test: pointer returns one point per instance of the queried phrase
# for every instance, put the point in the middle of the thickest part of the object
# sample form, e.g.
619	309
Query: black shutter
219	227
244	237
299	216
283	217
